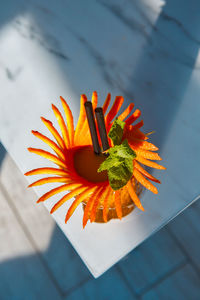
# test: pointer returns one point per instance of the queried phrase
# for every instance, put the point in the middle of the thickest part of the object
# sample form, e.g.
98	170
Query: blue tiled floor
151	261
182	284
108	286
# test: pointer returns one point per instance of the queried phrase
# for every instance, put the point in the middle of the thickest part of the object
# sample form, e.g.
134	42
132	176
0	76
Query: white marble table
147	51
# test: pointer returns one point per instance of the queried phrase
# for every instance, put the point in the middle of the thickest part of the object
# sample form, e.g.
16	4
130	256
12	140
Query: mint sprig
116	131
119	163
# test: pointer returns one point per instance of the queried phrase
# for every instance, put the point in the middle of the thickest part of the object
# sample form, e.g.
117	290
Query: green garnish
116	131
119	163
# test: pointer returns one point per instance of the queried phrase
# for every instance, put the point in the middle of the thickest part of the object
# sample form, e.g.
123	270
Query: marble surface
147	51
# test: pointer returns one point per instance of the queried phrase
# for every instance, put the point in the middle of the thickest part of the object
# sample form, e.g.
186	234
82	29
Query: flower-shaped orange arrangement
104	181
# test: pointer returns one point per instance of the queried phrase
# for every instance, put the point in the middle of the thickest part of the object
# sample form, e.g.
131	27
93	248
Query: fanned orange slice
78	200
62	125
54	132
95	204
54	171
87	210
147	184
142	145
48	156
133	117
134	196
126	112
106	103
70	120
114	109
62	188
149	163
49	142
144	172
82	116
50	180
146	154
77	191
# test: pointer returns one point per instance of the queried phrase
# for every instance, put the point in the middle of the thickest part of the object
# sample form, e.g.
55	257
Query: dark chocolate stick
92	127
102	128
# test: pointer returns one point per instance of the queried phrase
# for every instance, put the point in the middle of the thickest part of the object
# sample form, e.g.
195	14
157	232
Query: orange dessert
109	182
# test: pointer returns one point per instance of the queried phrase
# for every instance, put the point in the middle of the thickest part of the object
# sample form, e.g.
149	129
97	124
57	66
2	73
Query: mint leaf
119	176
123	150
108	163
116	131
119	165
